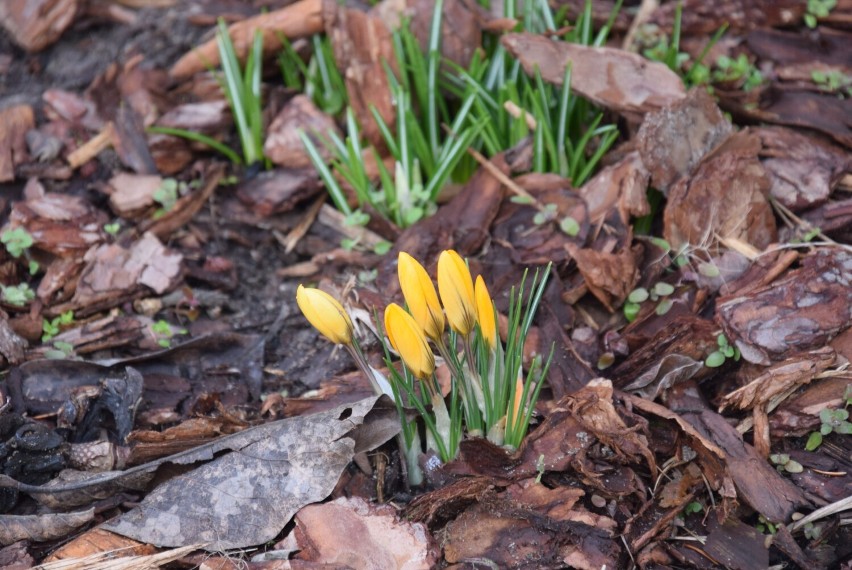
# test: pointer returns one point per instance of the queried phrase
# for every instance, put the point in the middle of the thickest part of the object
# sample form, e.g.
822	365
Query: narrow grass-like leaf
201	138
331	184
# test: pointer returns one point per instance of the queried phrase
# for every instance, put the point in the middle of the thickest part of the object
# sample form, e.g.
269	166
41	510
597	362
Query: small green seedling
764	525
833	421
812	531
166	195
164	333
17	241
659	294
112	228
739	69
52	327
61	350
783	463
692	508
540	468
818	9
717	358
833	81
17	295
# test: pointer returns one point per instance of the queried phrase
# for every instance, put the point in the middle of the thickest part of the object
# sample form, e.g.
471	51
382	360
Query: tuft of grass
320	79
424	155
242	88
568	135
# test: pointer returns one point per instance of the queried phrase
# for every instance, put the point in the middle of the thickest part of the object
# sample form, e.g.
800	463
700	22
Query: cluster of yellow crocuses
488	391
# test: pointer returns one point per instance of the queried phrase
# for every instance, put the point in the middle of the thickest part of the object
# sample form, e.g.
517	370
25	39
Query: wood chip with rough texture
725	196
805	309
673	140
611	78
298	20
15	121
357	534
35	24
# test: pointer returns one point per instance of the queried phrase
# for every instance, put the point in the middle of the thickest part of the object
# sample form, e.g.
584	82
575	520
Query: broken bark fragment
60	223
611	78
43	527
15	122
511	534
802	169
610	276
725	197
363	48
279	190
461	32
355	533
805	309
773	386
622	186
821	112
283	145
114	274
131	195
35	24
298	20
703	18
675	139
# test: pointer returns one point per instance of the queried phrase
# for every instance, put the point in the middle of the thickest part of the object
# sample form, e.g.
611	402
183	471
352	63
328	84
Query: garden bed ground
166	401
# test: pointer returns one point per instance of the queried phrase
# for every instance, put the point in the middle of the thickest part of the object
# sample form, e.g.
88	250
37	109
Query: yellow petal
456	287
516	404
420	296
485	312
325	314
408	340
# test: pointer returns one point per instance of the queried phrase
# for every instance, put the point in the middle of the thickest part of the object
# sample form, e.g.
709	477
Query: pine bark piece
60	223
758	484
35	24
283	145
353	533
299	20
14	123
611	78
675	139
363	47
11	345
610	276
804	310
725	196
98	540
802	169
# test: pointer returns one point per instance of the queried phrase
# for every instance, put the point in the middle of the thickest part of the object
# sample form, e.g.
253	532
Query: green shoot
17	241
17	295
200	138
53	327
243	91
818	9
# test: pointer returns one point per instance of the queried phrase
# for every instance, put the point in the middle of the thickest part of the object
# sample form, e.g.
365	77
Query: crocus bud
407	338
420	296
456	287
326	314
485	312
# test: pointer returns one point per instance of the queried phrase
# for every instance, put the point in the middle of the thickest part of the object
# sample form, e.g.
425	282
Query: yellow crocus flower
456	287
326	314
485	312
407	338
420	295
